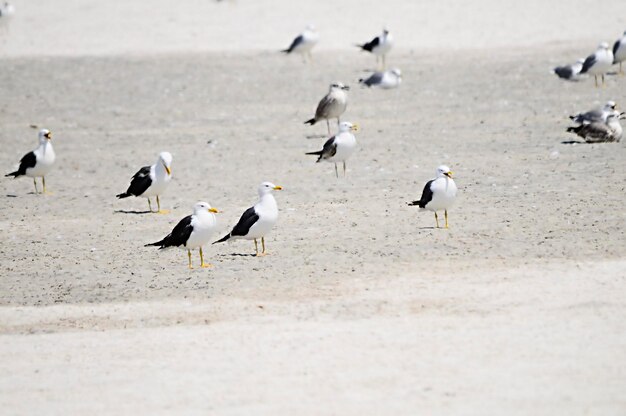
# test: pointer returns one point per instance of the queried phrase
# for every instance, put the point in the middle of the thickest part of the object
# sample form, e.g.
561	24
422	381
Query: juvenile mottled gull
600	131
333	105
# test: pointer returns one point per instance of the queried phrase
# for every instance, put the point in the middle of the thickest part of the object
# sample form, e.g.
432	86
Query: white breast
444	194
267	210
45	159
204	227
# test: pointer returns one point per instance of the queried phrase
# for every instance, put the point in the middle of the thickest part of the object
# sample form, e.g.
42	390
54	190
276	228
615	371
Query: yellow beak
49	135
168	170
355	128
278	188
449	174
214	210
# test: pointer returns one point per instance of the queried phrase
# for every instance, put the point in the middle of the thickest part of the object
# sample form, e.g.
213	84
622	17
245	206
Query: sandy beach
362	306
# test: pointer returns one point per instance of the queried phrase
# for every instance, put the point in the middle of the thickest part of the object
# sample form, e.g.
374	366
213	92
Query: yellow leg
328	126
436	219
344	168
596	79
149	205
602	80
620	69
202	263
189	255
263	246
35	182
446	215
43	181
161	211
256	248
336	173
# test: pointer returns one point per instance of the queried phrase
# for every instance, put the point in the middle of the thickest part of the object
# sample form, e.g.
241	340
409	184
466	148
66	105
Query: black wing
247	220
589	62
297	41
329	150
139	183
369	46
28	161
564	72
179	235
375	79
616	46
427	195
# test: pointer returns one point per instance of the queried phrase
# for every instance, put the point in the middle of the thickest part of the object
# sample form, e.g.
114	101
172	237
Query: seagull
193	231
379	46
38	162
600	131
333	105
599	62
339	147
151	180
569	72
6	9
598	114
304	42
257	221
385	80
438	194
619	51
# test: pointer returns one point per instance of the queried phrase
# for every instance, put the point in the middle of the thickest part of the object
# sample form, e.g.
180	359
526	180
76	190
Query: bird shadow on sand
122	211
238	255
316	136
573	142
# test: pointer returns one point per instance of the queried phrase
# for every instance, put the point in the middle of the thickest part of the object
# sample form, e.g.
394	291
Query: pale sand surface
362	307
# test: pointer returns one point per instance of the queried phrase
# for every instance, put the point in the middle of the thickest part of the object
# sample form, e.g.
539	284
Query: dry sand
362	307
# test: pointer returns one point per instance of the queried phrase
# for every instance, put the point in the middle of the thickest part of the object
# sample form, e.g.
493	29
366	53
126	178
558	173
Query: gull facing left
38	162
438	194
193	231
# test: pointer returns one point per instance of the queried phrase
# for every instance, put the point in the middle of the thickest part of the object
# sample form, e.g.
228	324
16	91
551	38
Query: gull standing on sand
438	194
193	231
6	9
38	162
385	80
303	43
569	72
379	46
257	221
598	114
151	181
598	63
600	131
333	105
619	52
339	147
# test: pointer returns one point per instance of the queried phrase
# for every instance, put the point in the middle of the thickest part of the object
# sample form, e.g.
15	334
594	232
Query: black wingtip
221	240
318	153
123	195
311	121
413	203
14	174
286	51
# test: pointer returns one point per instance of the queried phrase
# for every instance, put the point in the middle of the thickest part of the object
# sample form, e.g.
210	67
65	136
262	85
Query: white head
610	105
345	126
603	45
45	136
165	159
202	207
443	170
268	187
338	86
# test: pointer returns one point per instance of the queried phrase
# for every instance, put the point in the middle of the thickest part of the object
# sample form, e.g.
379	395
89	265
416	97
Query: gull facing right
38	162
438	194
